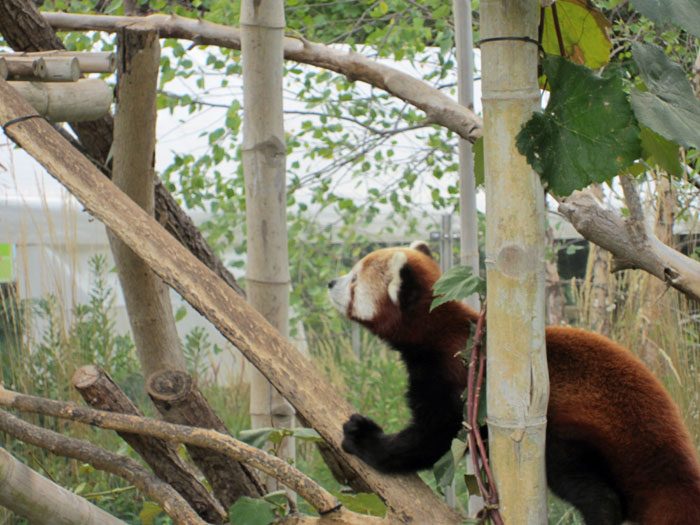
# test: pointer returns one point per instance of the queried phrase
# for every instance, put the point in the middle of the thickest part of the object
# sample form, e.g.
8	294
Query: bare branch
278	468
102	393
439	107
170	501
630	241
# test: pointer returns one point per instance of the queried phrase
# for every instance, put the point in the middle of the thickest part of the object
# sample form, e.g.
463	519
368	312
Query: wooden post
518	381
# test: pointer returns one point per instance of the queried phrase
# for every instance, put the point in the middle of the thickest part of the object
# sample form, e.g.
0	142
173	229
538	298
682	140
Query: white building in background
47	241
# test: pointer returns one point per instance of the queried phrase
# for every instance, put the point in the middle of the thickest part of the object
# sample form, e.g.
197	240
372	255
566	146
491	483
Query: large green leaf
456	284
684	13
670	107
584	33
661	152
586	134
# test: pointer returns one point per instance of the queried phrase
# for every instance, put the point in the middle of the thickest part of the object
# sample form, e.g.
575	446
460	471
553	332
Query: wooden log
101	392
61	69
3	68
179	401
87	99
89	62
47	67
25	68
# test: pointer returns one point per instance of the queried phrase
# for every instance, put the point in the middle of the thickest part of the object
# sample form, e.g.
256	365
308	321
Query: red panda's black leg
436	409
576	473
407	451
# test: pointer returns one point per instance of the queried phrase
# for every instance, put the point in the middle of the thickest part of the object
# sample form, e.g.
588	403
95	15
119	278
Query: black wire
22	119
518	38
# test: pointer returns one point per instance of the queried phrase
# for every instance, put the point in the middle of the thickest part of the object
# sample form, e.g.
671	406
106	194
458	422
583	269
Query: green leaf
670	107
257	437
584	32
478	150
586	134
444	469
662	152
456	284
361	503
306	434
149	511
251	511
683	13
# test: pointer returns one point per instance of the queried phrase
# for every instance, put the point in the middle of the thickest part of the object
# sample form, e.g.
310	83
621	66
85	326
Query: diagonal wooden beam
407	497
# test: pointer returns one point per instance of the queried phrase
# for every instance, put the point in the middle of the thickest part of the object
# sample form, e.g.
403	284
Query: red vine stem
476	444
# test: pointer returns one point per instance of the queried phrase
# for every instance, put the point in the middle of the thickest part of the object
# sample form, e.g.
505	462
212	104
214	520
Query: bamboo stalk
515	257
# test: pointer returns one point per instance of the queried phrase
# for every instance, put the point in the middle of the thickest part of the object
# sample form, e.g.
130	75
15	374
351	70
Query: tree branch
630	241
308	489
169	500
439	107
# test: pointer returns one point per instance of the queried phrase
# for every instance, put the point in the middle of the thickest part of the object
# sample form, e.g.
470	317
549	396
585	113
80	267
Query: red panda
616	446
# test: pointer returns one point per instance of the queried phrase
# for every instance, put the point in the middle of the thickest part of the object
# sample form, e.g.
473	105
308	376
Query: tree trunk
264	153
147	297
518	386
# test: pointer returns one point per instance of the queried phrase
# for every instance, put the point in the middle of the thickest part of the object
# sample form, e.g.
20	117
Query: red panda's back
603	395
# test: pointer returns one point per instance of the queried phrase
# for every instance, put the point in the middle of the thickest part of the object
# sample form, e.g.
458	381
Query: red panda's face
383	287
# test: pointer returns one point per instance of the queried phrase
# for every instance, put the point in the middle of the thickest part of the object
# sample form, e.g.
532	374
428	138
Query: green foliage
361	503
456	284
683	13
670	107
586	134
252	511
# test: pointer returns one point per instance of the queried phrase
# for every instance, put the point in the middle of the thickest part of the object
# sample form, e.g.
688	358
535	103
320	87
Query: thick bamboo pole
264	153
518	381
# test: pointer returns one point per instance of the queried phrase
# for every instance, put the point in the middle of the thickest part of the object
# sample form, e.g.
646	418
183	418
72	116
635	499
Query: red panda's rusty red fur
616	444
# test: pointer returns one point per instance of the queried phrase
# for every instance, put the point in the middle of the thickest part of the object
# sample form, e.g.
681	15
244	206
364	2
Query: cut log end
169	385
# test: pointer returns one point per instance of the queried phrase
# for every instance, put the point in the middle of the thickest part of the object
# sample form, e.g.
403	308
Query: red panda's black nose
331	284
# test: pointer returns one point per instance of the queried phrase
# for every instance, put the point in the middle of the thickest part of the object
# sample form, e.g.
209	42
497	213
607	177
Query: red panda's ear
422	247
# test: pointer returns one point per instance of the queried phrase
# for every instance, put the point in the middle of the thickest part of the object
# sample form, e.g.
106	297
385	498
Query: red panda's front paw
359	432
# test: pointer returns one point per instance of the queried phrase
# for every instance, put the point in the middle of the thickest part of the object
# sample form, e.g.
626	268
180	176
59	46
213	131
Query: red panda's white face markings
359	293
